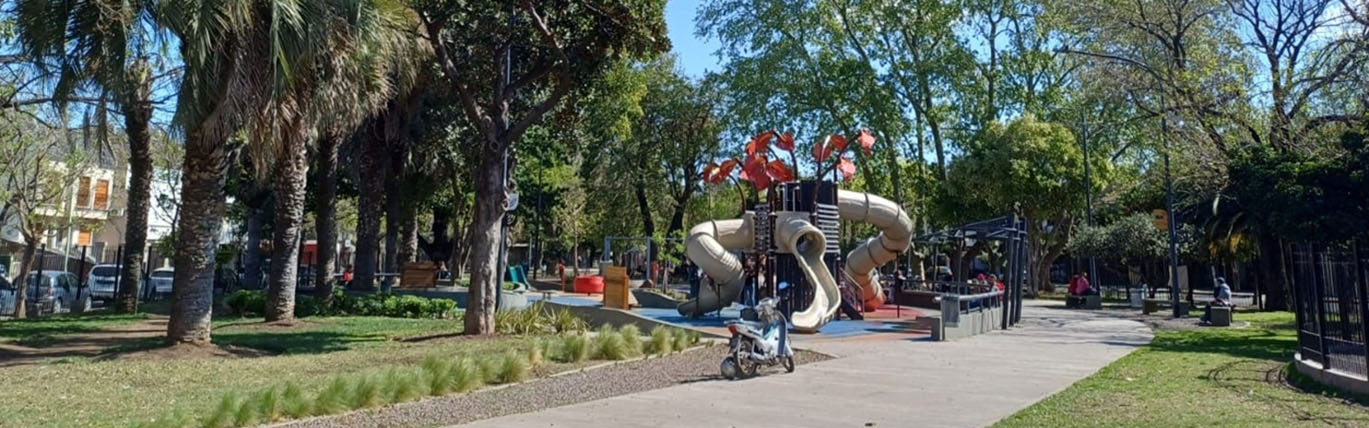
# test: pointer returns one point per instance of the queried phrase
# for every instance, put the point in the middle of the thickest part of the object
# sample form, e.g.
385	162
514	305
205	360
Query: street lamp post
1088	194
1173	234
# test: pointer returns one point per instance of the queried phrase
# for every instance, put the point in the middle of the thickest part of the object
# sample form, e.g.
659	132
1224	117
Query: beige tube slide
896	234
708	245
794	234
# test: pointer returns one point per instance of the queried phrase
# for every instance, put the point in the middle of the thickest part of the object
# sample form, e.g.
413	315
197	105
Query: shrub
536	353
246	414
293	402
402	386
530	320
565	322
574	348
333	399
608	344
464	376
681	337
512	369
308	306
246	302
632	339
489	368
268	404
222	416
367	393
438	373
661	341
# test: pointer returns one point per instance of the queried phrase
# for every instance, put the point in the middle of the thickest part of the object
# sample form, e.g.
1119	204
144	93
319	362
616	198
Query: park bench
1091	301
1221	316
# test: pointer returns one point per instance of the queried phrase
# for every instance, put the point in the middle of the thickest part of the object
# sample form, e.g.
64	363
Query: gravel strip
626	378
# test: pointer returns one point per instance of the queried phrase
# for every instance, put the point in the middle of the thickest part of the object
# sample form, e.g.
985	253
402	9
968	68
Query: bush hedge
251	302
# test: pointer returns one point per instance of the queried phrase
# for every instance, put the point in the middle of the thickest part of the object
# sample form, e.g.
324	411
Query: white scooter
751	347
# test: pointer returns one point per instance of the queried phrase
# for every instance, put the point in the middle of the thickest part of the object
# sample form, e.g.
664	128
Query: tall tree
238	77
113	46
1035	169
39	168
353	65
550	48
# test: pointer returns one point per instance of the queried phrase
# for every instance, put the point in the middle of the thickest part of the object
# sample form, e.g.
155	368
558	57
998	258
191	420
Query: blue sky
695	54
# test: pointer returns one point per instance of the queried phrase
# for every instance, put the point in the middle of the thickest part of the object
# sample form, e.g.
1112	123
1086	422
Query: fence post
1299	298
1319	302
1361	289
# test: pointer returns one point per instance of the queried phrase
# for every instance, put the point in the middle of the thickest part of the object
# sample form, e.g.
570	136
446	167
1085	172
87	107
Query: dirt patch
92	344
186	351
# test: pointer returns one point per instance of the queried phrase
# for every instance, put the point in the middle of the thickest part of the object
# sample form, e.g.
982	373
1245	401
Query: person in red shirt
347	276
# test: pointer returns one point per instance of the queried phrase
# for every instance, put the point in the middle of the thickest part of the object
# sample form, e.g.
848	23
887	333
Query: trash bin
1138	297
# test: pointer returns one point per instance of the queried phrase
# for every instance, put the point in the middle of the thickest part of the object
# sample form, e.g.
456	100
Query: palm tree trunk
21	280
325	216
370	205
202	211
137	114
291	174
484	246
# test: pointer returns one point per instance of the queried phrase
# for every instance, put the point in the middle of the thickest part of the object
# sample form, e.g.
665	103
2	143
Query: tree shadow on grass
34	329
1255	344
300	342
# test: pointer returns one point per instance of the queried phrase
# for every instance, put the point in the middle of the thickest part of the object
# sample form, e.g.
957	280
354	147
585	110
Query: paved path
972	382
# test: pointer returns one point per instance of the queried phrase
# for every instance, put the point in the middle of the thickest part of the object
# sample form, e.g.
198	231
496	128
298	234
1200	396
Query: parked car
101	281
53	292
160	280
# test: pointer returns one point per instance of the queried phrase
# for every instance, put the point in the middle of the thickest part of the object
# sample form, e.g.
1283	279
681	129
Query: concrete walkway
890	383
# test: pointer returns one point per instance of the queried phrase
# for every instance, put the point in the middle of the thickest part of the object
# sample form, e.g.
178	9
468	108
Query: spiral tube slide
708	245
896	234
795	235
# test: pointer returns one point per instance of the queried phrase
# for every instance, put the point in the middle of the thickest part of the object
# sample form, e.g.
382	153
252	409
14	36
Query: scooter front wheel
789	364
729	368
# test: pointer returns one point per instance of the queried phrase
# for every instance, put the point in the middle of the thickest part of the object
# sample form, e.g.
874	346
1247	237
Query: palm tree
107	44
240	82
369	52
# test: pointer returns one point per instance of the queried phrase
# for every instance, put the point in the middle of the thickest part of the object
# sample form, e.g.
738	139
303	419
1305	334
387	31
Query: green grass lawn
1202	377
117	393
38	330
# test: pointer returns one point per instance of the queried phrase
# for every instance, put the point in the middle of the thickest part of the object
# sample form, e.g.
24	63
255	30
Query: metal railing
1331	304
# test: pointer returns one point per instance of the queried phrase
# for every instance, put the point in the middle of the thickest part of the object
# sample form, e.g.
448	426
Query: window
83	193
102	195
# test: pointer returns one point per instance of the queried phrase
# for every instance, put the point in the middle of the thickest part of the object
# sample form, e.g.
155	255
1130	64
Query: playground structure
792	240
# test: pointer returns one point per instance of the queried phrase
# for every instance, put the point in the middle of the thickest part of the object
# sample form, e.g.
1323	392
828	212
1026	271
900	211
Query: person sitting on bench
1079	288
1221	296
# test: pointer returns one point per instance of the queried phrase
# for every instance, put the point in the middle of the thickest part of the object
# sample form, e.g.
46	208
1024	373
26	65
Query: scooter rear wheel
750	368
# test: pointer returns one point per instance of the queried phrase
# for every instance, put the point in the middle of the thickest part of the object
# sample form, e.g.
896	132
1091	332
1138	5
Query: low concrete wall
598	315
1334	378
969	324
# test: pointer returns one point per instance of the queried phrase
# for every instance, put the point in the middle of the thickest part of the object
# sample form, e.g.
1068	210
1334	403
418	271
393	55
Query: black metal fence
1330	285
